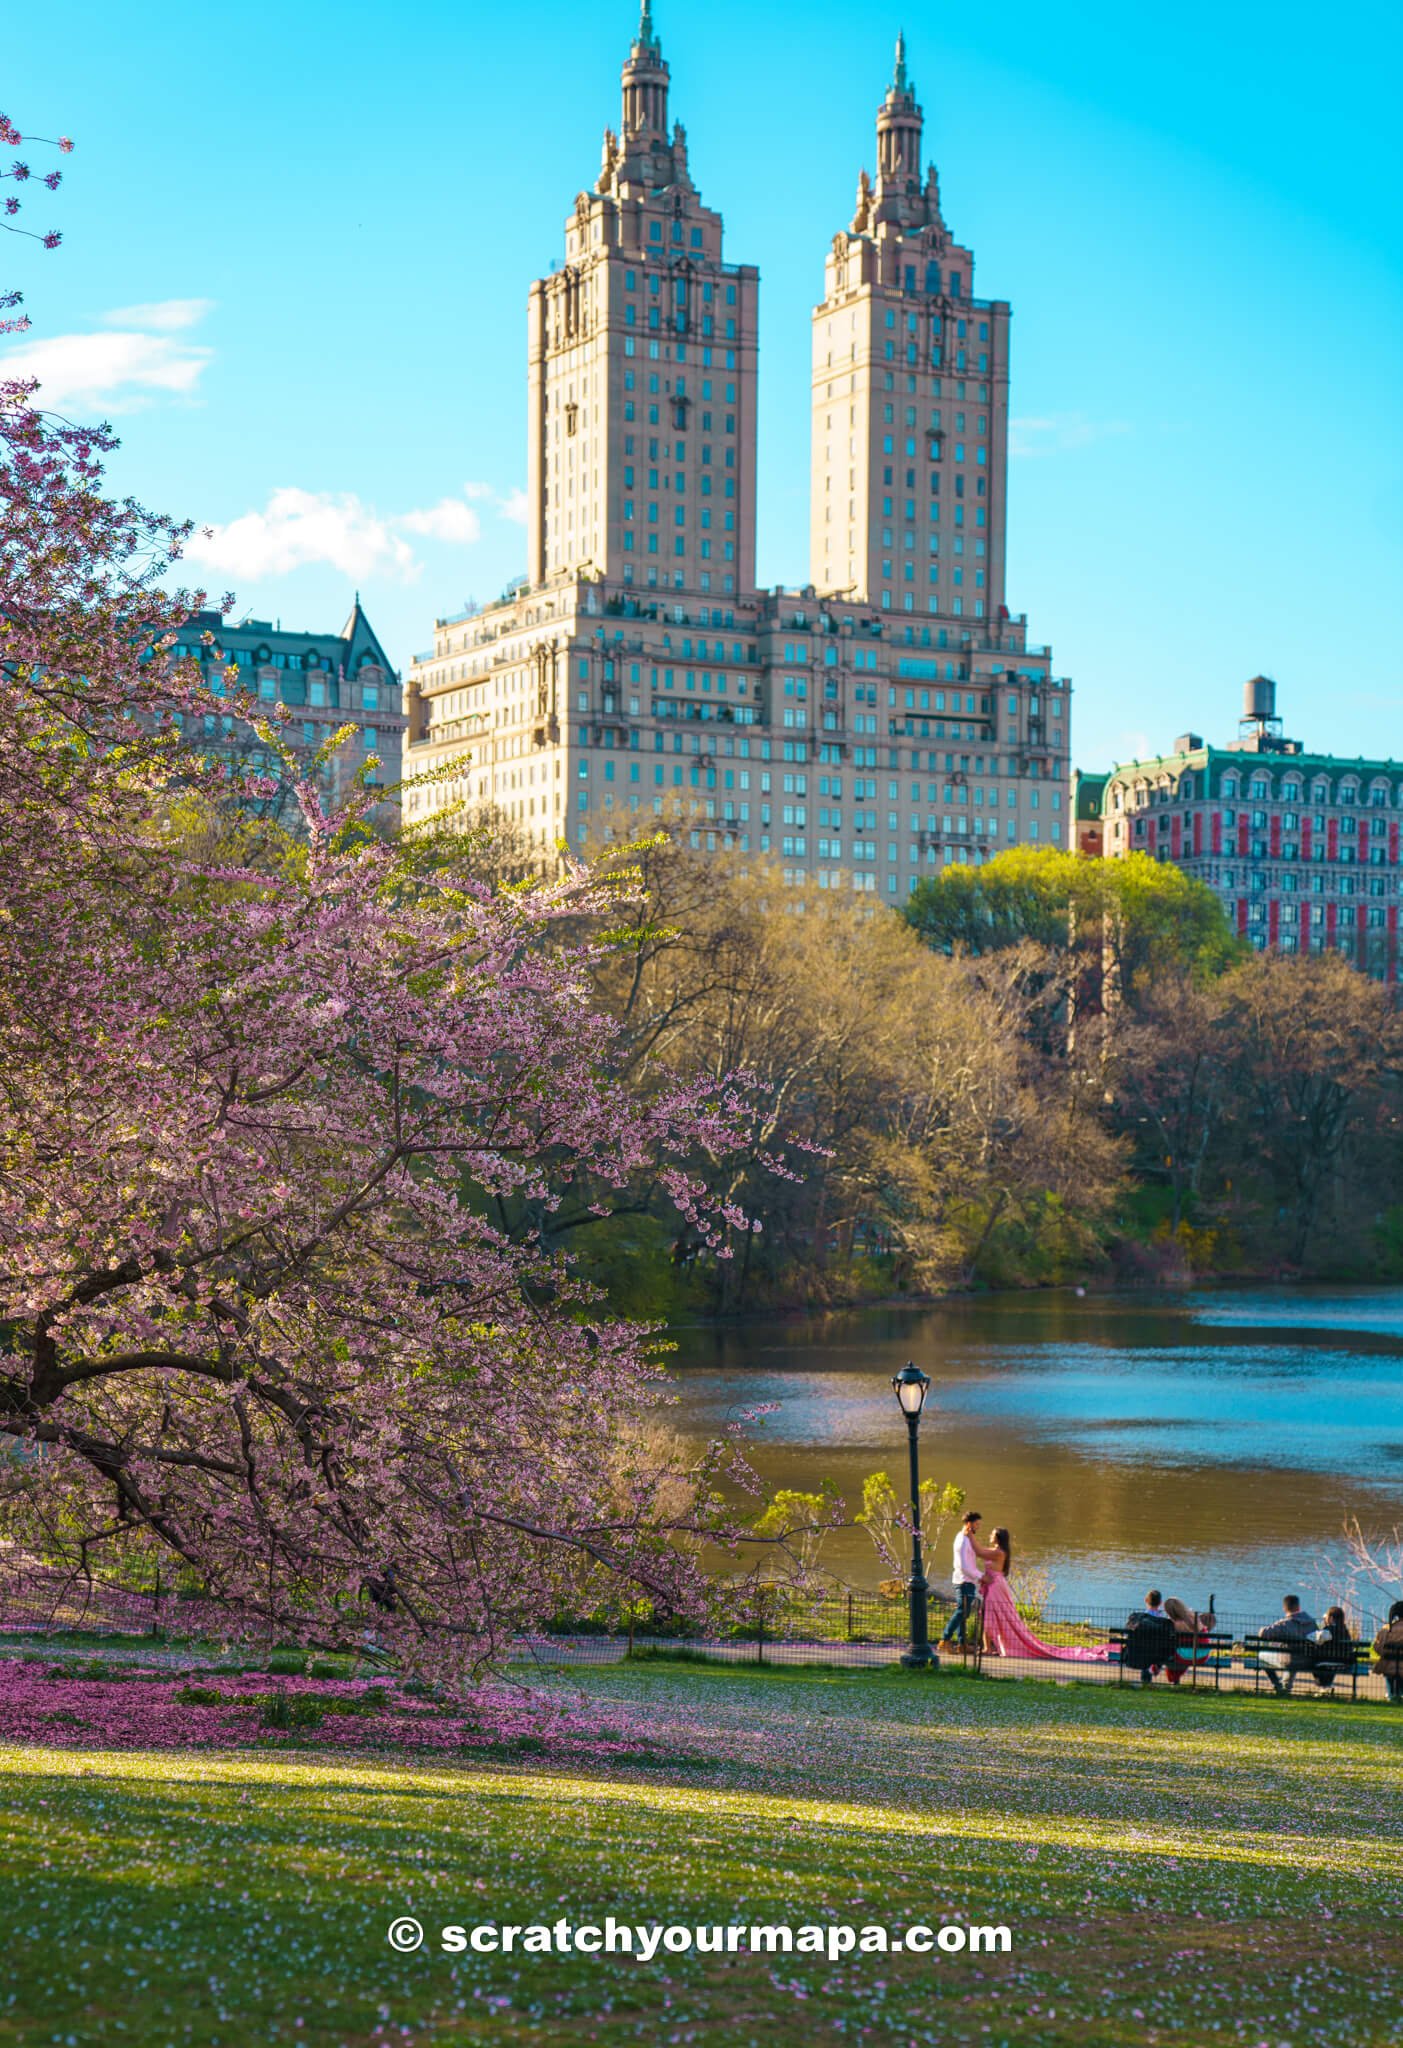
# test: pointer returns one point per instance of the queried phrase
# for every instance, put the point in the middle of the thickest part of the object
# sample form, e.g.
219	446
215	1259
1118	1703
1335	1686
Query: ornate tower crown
899	124
645	81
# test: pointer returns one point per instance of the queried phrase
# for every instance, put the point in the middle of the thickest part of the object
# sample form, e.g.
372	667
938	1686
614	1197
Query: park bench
1209	1652
1347	1660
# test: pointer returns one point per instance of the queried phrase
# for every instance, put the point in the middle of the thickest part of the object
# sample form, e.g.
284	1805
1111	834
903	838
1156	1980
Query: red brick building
1303	849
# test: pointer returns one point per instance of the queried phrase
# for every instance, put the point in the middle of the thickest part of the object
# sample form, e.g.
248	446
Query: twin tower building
885	719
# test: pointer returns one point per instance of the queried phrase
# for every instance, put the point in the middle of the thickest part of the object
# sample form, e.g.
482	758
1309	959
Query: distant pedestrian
1388	1650
1293	1633
1332	1649
967	1572
1191	1633
1149	1638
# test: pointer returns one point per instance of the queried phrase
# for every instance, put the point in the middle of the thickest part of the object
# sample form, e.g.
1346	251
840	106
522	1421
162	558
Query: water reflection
1207	1442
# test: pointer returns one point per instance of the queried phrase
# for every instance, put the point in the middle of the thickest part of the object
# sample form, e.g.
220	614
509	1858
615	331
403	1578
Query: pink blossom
155	1710
281	1140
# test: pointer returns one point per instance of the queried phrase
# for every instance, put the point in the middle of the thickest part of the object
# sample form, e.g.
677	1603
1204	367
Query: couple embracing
981	1573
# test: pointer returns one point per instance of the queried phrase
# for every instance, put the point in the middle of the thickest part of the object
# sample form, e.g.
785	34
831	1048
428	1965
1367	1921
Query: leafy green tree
799	1522
1022	894
887	1518
1136	917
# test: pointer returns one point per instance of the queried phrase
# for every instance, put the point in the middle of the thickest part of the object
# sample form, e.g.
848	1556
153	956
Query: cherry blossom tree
256	1120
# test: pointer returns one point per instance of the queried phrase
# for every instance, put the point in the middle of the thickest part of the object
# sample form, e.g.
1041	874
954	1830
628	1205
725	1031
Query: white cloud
1059	432
451	519
164	315
506	504
116	371
297	527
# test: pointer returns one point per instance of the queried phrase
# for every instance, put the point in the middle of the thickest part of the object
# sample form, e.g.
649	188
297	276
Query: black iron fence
43	1599
771	1625
765	1624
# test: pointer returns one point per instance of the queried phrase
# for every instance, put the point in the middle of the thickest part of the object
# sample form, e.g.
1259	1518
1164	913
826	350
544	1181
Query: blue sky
298	239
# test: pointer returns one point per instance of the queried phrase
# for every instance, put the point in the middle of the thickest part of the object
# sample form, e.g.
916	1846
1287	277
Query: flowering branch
19	173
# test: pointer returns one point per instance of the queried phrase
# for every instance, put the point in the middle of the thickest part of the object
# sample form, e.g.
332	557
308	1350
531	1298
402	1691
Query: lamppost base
920	1660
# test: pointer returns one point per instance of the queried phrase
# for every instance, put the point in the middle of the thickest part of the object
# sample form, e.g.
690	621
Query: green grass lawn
1171	1869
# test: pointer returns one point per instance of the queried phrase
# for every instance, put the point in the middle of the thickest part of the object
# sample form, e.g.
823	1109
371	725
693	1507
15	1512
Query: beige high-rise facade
910	398
887	718
641	352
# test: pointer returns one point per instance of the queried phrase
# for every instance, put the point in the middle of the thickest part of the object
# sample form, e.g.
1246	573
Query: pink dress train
1006	1634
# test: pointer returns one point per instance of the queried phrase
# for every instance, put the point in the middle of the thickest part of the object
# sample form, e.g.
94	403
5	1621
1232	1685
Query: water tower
1259	727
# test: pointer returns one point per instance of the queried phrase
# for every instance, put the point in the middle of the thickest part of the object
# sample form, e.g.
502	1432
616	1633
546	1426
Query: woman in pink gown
1006	1634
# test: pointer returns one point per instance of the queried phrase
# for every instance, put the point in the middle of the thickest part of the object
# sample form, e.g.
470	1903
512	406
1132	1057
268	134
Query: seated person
1191	1633
1388	1652
1149	1639
1332	1648
1292	1633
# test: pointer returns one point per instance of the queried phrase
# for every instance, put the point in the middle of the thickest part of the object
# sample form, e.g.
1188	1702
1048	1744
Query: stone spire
645	79
897	194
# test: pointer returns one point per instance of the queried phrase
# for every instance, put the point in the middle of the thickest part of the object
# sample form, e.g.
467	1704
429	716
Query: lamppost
910	1386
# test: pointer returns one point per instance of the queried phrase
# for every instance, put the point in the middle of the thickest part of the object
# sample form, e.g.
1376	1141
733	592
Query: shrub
681	1653
285	1710
565	1624
287	1663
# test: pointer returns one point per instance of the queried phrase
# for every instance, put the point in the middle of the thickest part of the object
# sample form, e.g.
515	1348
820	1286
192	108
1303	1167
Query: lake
1203	1442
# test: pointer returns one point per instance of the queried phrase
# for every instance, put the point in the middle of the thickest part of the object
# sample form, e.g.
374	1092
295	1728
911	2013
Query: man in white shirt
966	1573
